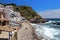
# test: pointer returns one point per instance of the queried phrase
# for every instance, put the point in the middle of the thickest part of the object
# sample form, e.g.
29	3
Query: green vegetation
26	11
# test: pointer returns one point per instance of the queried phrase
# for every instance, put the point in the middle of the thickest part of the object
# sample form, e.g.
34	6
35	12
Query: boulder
26	32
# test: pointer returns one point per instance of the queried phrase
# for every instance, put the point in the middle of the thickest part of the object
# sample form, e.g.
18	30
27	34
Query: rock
26	32
25	11
43	20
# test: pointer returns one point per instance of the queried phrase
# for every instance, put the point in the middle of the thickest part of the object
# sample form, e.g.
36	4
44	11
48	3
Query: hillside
28	13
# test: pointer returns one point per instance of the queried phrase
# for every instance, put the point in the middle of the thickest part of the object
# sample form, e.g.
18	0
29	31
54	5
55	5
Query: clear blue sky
38	5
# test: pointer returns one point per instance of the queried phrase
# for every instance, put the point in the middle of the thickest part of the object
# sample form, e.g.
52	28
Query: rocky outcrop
26	32
27	12
43	20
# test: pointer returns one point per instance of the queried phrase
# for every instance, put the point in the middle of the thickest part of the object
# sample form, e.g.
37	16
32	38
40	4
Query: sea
49	30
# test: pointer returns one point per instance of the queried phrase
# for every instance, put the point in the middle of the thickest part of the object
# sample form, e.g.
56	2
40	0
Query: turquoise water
48	30
53	19
51	31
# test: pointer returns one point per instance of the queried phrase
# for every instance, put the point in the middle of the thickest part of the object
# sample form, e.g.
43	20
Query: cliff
28	13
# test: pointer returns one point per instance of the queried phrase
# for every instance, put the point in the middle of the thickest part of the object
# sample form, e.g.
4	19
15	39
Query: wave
47	31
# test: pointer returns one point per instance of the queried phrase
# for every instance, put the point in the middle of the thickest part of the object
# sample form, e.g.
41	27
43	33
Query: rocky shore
26	32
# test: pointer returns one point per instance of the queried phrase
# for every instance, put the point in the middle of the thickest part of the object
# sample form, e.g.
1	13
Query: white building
1	8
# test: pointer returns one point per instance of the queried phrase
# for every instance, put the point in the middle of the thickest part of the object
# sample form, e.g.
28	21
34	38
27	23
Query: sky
41	6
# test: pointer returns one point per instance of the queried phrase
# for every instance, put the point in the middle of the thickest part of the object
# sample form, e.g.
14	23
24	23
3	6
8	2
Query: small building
1	8
3	24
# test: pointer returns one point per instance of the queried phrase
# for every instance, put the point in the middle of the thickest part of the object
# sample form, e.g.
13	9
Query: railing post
10	35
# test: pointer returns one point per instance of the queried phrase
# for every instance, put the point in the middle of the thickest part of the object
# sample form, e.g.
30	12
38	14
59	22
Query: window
3	23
